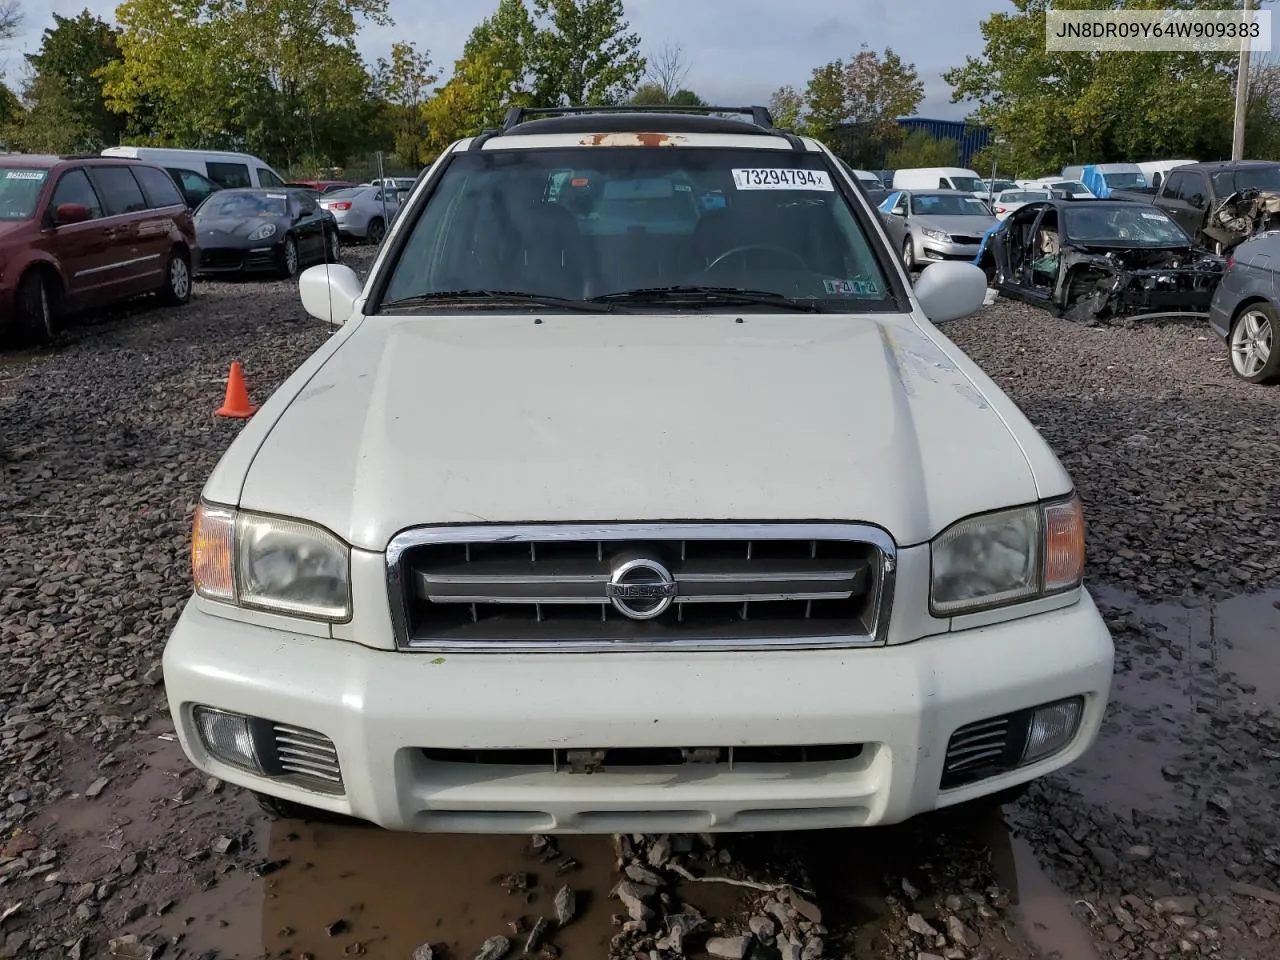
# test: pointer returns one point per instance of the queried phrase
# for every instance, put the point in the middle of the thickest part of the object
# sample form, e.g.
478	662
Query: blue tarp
1096	181
982	247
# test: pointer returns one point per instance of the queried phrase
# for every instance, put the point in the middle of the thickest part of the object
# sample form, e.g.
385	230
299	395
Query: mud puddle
1173	662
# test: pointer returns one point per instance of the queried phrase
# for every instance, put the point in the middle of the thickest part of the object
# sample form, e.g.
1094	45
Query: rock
495	948
788	948
1175	905
918	924
95	788
129	947
803	907
659	853
960	935
565	905
644	876
633	896
224	845
812	949
129	864
1140	852
17	846
423	952
728	948
763	928
337	928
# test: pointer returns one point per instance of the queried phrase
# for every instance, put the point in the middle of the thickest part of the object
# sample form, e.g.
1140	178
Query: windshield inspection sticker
851	288
25	175
782	178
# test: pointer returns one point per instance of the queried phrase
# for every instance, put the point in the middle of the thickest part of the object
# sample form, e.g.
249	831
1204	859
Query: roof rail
760	116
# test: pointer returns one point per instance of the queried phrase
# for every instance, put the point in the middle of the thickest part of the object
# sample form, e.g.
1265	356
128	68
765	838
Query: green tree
10	19
76	49
1059	107
584	53
854	104
280	77
1262	120
652	95
404	84
51	121
918	149
667	69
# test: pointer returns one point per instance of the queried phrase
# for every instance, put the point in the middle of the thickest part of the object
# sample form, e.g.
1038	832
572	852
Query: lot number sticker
781	178
1152	216
25	175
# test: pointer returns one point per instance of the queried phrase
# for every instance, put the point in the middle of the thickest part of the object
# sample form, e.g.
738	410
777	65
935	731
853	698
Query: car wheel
334	247
908	255
177	280
1252	343
36	307
289	258
279	809
377	230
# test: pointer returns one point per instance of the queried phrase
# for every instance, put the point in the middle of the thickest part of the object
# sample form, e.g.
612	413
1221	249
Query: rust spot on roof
631	140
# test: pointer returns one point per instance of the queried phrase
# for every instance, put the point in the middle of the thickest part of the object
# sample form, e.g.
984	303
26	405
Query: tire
377	230
908	255
1252	344
279	809
333	247
35	306
289	258
177	279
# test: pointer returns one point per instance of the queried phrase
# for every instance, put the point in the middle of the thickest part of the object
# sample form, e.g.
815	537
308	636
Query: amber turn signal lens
1063	545
212	546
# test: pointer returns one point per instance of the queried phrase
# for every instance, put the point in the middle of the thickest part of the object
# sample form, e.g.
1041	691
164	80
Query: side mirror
950	289
329	292
70	213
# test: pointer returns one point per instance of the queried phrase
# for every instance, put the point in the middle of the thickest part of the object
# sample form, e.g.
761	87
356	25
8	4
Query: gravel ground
1163	842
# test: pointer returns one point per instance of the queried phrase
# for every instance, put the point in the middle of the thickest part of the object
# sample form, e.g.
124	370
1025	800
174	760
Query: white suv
637	491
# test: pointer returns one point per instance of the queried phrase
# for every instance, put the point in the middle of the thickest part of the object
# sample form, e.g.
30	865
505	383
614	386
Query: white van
938	178
222	167
1112	176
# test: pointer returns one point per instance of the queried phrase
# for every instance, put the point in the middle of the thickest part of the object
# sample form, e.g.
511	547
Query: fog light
1052	727
228	737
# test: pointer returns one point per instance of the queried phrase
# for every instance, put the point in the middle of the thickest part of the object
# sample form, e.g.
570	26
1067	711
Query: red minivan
82	232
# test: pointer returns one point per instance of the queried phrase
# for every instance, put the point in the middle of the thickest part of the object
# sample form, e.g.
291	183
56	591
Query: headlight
263	232
1008	557
934	234
270	563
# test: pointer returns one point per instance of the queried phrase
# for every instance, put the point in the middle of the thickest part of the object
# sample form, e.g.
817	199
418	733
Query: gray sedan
931	225
1244	310
363	212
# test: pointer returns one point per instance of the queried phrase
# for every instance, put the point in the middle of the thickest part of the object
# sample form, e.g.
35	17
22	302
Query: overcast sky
739	50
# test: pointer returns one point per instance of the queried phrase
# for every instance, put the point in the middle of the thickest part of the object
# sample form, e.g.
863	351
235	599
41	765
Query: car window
947	205
1125	181
629	219
1258	178
118	189
159	187
244	204
268	179
20	189
229	175
1174	184
196	186
305	203
74	187
1133	225
967	184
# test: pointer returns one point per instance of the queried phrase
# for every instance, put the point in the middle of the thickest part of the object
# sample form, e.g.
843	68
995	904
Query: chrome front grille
636	586
307	758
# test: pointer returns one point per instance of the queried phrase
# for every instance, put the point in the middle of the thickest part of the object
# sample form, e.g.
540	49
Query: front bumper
213	260
930	249
380	708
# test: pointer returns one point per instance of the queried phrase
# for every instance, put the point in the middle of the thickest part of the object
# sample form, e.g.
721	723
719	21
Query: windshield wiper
709	295
498	296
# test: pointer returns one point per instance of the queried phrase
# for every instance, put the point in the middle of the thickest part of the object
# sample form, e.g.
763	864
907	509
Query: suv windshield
1259	178
947	205
19	190
1145	227
583	223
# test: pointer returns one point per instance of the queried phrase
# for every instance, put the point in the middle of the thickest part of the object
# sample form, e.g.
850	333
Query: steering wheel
746	248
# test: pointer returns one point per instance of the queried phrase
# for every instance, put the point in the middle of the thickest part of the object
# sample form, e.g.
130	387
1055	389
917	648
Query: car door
84	249
895	220
308	226
137	257
1185	200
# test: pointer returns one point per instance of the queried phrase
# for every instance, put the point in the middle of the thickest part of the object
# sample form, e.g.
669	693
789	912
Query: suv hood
482	418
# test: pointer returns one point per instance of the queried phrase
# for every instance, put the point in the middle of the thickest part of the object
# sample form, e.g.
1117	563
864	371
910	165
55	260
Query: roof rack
761	118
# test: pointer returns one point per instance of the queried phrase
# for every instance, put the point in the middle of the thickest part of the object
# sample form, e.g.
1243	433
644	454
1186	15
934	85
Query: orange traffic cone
237	402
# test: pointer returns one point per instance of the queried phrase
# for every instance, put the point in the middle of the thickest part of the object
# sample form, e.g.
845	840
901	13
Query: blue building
970	137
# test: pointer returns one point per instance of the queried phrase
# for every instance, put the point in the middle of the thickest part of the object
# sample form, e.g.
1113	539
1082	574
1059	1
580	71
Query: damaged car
1095	260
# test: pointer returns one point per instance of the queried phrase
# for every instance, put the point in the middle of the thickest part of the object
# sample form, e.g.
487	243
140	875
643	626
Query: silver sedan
362	212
